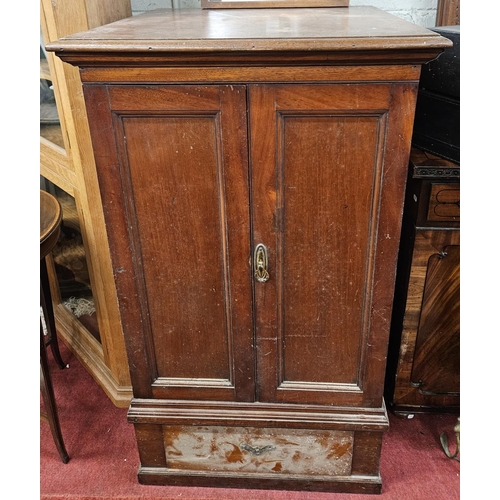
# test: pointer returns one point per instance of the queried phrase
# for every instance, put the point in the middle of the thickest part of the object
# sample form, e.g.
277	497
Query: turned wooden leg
51	414
48	314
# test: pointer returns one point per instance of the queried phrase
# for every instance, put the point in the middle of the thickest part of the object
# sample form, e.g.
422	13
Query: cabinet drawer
256	450
444	203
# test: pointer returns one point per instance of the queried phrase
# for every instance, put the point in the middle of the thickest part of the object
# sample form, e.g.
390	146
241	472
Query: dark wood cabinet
424	363
253	189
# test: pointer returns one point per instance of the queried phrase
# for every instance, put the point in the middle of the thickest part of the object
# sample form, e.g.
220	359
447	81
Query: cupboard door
176	158
328	175
436	363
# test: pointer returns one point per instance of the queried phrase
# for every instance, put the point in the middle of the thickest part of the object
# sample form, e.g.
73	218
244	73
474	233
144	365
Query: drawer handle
260	263
257	450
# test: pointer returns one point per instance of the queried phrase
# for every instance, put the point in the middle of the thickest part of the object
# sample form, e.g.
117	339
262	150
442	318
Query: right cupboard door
328	170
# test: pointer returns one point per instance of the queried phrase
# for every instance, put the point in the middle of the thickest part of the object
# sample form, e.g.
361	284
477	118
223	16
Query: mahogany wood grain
270	4
366	453
424	360
436	364
448	13
199	27
362	35
208	142
150	445
239	74
257	414
361	484
438	330
316	52
444	203
325	183
197	187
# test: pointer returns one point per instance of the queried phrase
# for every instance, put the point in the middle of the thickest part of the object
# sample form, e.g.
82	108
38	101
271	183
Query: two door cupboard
252	168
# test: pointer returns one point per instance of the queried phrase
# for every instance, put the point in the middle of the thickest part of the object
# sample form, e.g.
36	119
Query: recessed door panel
324	244
178	202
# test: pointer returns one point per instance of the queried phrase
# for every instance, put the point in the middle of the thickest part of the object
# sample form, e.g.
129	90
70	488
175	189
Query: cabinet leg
49	402
48	315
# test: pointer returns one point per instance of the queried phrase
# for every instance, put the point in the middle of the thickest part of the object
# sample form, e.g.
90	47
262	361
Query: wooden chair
50	227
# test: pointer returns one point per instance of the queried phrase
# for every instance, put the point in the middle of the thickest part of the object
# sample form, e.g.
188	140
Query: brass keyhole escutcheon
260	263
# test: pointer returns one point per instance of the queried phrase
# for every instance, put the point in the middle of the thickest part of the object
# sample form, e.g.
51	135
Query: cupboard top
352	30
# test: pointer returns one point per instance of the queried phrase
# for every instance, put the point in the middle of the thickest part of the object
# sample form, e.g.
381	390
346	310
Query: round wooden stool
50	227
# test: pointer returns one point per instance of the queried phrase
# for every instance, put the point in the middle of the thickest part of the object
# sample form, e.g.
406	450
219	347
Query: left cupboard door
176	157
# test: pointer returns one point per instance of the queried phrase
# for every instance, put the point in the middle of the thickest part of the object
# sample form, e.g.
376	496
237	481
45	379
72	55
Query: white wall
422	12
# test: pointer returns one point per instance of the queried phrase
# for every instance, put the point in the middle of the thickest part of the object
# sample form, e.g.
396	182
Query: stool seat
50	222
50	229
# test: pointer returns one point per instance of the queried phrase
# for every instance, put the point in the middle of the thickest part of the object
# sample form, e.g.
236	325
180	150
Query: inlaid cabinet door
428	369
176	158
436	363
325	160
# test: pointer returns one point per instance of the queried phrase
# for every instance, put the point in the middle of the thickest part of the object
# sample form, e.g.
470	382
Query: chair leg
48	314
49	400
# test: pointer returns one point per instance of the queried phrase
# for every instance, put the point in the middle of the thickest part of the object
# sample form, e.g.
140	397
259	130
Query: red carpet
104	460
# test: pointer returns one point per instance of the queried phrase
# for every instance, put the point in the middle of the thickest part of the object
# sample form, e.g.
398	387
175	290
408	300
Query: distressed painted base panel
259	450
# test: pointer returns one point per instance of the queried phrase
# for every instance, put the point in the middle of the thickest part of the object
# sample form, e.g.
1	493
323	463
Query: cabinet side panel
396	156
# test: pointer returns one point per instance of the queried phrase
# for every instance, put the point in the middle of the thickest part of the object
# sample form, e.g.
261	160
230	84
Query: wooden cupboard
423	372
252	167
80	270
